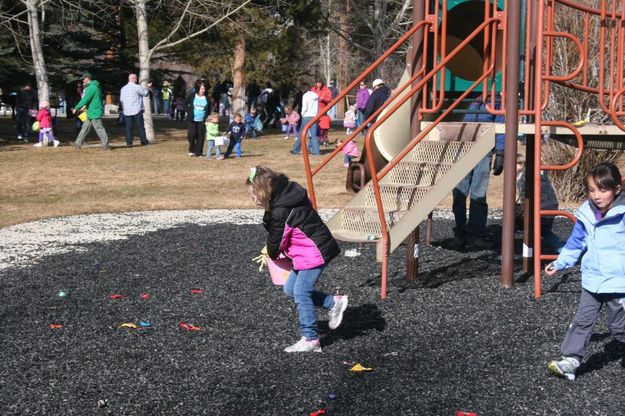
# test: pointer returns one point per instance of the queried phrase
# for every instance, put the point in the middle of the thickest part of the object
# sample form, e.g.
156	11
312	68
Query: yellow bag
82	116
36	126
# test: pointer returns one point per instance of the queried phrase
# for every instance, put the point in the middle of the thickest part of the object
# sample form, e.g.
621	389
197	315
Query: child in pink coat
45	126
291	120
350	151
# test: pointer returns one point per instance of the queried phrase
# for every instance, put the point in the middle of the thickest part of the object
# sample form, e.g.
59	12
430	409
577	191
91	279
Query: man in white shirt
131	98
310	108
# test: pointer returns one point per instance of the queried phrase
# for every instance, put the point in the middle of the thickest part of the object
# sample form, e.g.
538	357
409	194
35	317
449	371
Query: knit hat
377	82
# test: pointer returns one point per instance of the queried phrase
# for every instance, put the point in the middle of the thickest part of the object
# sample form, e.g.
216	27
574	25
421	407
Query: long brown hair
262	179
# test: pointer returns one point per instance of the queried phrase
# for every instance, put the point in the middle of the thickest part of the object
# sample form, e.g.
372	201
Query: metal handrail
304	132
414	142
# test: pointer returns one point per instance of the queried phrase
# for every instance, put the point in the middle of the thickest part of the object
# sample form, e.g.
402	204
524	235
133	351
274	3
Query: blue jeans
249	128
475	184
138	120
211	144
301	286
313	143
235	144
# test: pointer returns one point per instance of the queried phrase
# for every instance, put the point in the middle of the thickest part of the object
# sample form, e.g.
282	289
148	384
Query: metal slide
418	183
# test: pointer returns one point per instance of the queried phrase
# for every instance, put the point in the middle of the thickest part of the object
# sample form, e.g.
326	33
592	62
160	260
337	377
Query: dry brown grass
42	183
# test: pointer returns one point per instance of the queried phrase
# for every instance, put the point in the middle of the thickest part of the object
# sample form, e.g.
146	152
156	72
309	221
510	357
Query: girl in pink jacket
350	151
291	120
45	126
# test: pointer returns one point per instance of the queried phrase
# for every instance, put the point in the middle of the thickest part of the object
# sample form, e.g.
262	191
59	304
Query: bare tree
191	18
25	20
373	27
26	14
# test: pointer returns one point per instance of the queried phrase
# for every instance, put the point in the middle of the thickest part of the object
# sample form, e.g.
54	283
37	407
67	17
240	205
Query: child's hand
550	269
261	259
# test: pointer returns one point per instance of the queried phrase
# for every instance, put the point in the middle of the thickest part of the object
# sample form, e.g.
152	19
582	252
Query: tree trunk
344	54
238	77
144	65
39	63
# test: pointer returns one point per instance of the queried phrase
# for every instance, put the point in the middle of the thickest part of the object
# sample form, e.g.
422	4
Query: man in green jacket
91	101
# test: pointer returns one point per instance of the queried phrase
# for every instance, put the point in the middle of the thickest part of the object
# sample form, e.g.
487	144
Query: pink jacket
292	118
44	118
351	149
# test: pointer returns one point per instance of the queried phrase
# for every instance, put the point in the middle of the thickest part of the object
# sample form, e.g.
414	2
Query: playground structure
416	151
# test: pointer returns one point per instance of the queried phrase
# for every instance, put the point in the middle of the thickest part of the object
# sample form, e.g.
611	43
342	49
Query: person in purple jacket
361	102
295	230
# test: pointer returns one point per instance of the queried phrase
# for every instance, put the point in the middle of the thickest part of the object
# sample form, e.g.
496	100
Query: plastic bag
258	124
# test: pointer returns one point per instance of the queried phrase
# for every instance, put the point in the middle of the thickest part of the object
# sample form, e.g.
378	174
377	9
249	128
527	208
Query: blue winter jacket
484	117
601	243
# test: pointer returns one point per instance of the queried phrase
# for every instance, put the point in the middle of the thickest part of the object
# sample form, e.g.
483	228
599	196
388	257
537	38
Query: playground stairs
415	185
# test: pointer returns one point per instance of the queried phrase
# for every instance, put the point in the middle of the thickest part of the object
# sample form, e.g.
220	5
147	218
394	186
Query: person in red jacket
44	118
324	93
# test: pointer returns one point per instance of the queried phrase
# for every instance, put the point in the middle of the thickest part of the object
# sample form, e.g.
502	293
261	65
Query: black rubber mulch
454	342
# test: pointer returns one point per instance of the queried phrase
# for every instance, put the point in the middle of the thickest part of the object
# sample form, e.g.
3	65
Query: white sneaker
304	345
564	368
37	144
191	154
286	138
336	313
19	137
56	143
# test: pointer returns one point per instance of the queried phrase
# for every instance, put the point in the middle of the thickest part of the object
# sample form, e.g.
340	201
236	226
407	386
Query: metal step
413	188
362	224
396	197
411	172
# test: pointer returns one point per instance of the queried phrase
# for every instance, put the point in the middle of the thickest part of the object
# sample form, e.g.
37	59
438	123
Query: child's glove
261	259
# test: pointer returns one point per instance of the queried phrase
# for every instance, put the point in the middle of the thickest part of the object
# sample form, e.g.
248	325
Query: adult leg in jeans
546	230
25	122
128	120
84	130
459	206
297	144
314	140
141	128
99	129
20	115
478	208
301	287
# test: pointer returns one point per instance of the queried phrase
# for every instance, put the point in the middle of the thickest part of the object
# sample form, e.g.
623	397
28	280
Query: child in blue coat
236	132
598	237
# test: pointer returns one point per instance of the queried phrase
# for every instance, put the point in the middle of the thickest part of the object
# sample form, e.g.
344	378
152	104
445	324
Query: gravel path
452	341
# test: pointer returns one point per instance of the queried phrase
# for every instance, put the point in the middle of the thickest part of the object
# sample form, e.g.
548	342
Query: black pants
197	135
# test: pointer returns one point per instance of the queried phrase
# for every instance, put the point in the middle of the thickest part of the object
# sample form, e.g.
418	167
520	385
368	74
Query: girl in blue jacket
295	229
599	238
